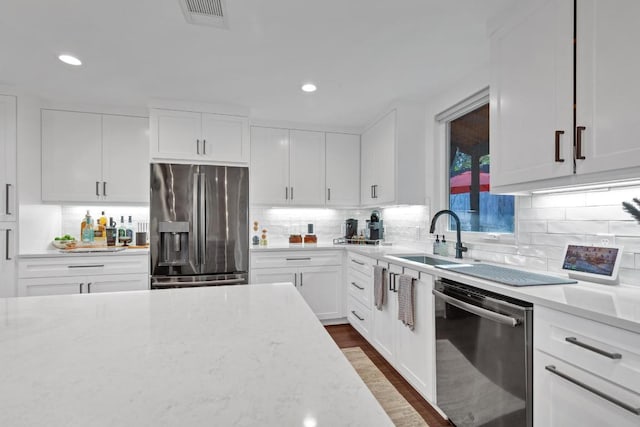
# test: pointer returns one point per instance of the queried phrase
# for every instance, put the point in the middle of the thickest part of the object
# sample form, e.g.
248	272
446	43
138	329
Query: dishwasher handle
479	311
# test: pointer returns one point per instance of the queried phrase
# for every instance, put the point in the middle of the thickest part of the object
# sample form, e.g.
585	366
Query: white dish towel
406	300
379	286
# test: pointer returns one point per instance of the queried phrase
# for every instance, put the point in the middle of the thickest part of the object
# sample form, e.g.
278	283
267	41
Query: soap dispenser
436	245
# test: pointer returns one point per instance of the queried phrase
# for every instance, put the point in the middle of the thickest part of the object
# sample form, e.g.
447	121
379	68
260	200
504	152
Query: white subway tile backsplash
532	226
541	251
628	260
541	213
594	213
578	227
612	197
561	200
629	276
556	239
624	228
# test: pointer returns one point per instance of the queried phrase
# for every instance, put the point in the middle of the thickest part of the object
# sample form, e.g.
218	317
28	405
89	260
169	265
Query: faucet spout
459	247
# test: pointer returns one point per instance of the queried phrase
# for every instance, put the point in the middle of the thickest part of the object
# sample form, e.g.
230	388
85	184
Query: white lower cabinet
317	275
83	284
82	275
411	352
586	373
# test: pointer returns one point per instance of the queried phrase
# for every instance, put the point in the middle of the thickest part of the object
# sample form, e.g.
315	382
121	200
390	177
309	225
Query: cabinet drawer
359	316
565	395
296	259
603	350
82	265
360	263
360	287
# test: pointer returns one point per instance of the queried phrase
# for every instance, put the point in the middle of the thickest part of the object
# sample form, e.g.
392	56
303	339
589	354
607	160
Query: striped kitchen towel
379	286
406	300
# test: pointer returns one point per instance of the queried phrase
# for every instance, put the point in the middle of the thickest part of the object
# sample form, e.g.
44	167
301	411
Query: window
469	171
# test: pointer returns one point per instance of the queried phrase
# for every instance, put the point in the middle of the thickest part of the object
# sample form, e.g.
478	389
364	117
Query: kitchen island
214	356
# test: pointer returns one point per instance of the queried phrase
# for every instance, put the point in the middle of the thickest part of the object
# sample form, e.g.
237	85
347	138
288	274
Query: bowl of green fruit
64	242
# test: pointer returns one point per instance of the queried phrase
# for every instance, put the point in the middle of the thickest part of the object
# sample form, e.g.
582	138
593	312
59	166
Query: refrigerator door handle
196	220
202	216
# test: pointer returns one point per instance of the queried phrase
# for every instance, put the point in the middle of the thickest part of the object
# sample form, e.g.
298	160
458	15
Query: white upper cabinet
306	168
8	159
342	169
88	157
269	166
393	158
607	90
186	136
535	143
287	167
125	154
531	96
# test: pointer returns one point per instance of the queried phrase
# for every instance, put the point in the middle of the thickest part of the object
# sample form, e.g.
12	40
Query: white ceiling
362	54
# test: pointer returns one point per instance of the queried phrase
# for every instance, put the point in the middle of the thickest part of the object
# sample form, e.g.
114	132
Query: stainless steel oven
484	358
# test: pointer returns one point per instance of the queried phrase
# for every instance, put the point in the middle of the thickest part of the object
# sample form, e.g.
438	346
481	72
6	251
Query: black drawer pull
605	396
574	341
356	314
357	262
359	287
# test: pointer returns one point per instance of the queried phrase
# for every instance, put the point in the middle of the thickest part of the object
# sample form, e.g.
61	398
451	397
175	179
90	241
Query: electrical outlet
607	239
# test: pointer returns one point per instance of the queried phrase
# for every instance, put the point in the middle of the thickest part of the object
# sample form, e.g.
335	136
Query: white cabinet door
117	283
606	82
274	275
322	289
71	156
384	326
558	402
415	352
8	159
378	162
531	96
342	169
51	286
176	134
125	159
306	168
225	138
8	255
269	165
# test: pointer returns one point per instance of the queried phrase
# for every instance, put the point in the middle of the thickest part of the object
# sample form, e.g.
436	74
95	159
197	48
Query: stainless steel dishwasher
484	357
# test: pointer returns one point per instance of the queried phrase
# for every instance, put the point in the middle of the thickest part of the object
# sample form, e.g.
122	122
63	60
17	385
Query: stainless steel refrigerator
199	229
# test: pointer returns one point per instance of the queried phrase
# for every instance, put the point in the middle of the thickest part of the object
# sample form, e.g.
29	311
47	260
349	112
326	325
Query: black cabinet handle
98	188
7	245
579	131
558	133
104	188
615	401
356	314
204	146
356	285
7	198
574	341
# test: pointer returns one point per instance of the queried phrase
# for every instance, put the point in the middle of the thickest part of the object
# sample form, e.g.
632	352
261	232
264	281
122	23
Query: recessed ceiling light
309	87
69	59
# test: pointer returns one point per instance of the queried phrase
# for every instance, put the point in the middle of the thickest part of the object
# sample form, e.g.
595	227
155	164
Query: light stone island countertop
61	253
212	356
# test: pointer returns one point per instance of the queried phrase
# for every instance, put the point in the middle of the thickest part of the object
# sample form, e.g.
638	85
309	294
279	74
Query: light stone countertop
616	305
212	356
60	253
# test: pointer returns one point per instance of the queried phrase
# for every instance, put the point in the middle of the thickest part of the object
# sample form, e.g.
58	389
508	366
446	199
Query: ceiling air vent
205	12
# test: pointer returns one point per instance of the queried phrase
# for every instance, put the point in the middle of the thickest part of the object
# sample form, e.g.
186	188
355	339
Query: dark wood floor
345	336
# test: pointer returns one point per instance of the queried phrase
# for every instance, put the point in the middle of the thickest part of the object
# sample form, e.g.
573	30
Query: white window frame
442	145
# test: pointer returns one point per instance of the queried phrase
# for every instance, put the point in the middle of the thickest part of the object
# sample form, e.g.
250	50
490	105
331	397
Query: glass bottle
122	230
87	230
129	229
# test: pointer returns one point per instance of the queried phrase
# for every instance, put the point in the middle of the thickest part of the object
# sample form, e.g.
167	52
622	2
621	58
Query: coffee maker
375	226
351	228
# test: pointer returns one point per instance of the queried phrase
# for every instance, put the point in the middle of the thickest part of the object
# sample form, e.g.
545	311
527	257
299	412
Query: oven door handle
198	283
487	314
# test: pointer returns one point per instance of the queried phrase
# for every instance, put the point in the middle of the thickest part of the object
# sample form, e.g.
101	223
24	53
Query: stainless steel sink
425	259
